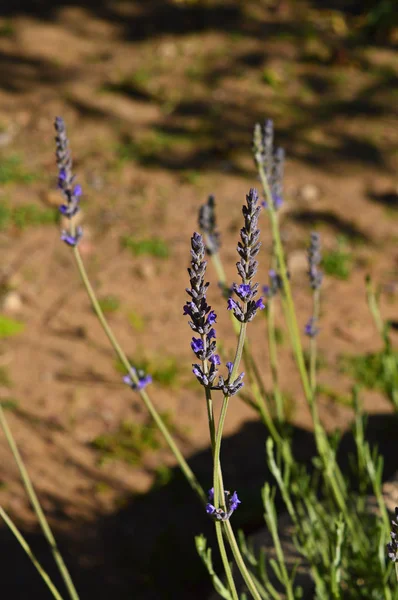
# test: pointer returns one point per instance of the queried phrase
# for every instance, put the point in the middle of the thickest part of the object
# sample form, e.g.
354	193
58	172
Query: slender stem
220	428
239	561
220	539
218	498
29	552
313	344
224	557
218	493
189	475
45	527
273	356
374	307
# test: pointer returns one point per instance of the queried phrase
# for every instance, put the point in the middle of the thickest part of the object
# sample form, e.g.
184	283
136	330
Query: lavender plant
348	550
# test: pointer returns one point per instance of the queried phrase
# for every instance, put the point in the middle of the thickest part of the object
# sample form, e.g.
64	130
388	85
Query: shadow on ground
145	549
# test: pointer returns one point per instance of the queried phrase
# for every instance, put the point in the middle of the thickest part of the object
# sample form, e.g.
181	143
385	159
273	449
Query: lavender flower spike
270	160
231	504
70	192
314	259
202	317
248	249
392	547
207	223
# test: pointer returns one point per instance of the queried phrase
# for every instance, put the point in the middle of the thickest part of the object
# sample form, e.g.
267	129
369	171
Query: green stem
220	428
239	561
29	552
220	539
189	475
45	527
273	356
218	498
224	558
313	345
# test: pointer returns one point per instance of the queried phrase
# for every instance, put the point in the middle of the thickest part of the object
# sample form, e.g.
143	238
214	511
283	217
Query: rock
145	269
309	193
12	302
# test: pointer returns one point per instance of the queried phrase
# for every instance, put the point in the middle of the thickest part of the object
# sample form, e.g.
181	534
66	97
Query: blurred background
160	98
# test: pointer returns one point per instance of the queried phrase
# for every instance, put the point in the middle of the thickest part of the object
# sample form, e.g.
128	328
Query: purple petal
215	359
211	318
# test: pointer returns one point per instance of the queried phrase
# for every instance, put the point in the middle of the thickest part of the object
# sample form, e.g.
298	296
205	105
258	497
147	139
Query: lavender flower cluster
66	179
272	160
248	249
315	276
202	320
142	379
207	223
392	547
275	284
231	504
314	260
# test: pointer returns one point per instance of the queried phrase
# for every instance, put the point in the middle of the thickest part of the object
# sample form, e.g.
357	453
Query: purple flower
66	179
215	360
259	304
228	387
142	379
197	345
234	502
211	318
275	284
270	160
231	504
229	366
72	240
244	289
392	547
231	304
315	275
211	334
207	223
202	316
248	248
310	328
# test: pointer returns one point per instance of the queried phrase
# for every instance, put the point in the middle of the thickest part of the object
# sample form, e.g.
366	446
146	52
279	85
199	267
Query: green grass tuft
5	379
109	304
337	263
130	441
9	403
377	370
10	327
149	246
12	171
26	215
136	321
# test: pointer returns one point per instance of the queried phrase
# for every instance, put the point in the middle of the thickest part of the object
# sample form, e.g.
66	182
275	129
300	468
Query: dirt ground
160	99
